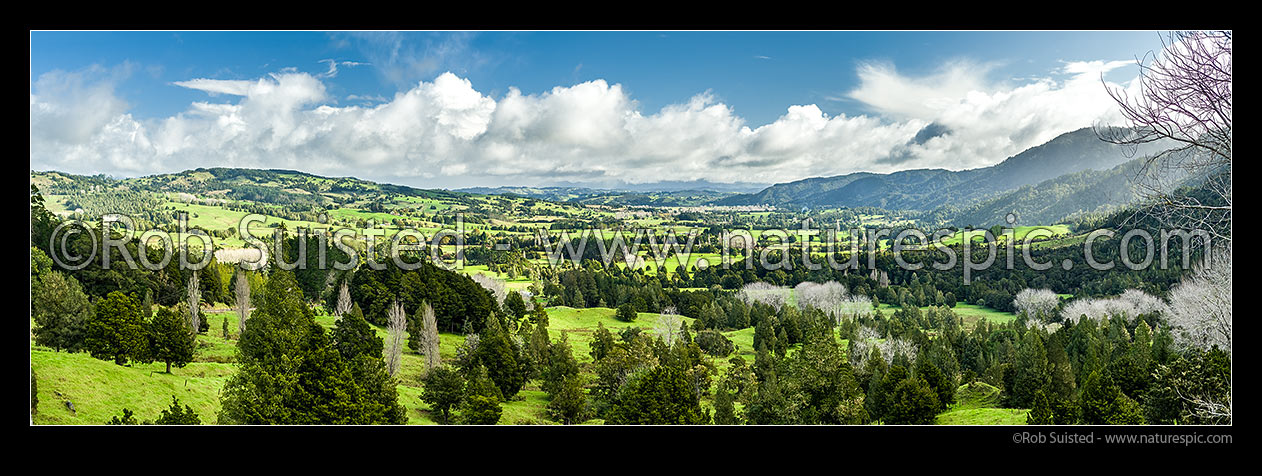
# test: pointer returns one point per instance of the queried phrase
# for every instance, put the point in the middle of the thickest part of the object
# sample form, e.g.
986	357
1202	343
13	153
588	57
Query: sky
459	109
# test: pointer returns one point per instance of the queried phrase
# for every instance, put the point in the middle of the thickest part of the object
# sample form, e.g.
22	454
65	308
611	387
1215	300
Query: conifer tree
116	330
569	402
170	339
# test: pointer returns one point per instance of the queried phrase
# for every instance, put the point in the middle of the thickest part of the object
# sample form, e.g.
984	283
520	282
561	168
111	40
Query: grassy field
99	390
1018	233
977	403
971	313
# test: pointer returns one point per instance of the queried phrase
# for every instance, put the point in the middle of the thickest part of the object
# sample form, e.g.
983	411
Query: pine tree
443	389
941	385
1103	403
60	310
569	402
1040	411
538	315
660	396
560	365
1031	371
353	336
912	402
116	330
626	313
482	399
289	358
500	356
170	339
724	410
177	415
602	342
515	305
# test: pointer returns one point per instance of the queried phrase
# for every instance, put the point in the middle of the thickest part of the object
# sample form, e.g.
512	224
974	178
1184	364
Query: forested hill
271	186
1062	199
929	189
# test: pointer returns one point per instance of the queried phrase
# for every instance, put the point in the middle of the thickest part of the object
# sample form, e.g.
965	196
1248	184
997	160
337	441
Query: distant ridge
928	189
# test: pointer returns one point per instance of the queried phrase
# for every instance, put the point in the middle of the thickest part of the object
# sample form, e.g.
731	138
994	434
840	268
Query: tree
396	326
242	289
569	402
1040	411
1031	369
538	315
1103	403
170	339
116	330
176	415
515	306
715	343
429	337
128	418
353	336
501	357
668	325
1038	304
343	300
1192	389
659	396
1184	105
194	302
626	313
602	342
60	309
443	389
912	402
289	371
943	386
724	410
482	399
1200	305
560	365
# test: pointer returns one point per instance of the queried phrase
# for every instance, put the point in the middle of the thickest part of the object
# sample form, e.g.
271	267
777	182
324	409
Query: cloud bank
446	133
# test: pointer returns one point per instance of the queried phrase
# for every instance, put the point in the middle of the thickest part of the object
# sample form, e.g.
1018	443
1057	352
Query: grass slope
977	403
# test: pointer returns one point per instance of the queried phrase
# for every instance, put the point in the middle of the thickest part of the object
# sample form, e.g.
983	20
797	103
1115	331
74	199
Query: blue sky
855	85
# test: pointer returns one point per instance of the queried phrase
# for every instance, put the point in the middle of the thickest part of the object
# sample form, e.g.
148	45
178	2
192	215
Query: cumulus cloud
985	122
445	133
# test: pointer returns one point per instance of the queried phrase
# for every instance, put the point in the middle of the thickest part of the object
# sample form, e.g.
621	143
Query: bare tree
825	297
243	299
668	326
343	300
1200	305
495	286
854	307
396	326
1130	305
868	338
429	337
763	292
1184	105
194	302
1038	304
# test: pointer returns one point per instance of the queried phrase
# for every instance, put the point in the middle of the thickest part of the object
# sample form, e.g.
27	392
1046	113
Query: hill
928	189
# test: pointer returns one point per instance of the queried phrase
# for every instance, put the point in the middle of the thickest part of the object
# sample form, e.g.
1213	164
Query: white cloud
986	123
445	133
